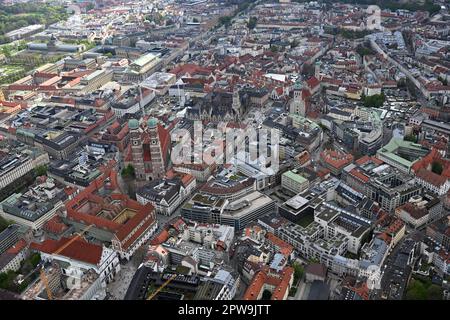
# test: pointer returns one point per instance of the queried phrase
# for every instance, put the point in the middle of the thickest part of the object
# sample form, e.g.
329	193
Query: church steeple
136	149
297	105
236	105
158	167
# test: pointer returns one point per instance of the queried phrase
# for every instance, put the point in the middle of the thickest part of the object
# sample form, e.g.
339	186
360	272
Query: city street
118	287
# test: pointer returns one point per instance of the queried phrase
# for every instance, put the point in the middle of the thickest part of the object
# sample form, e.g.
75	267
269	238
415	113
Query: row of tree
25	14
373	101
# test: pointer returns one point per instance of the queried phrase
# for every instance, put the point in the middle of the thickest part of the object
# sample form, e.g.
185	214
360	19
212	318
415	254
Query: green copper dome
152	122
298	85
133	124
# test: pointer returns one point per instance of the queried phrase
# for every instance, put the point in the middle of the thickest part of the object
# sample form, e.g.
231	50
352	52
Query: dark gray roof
10	230
319	291
158	190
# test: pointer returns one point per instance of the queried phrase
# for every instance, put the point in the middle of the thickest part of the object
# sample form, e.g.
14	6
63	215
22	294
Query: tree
373	101
294	43
434	292
423	289
293	291
22	15
348	34
7	281
195	20
298	271
225	21
411	138
6	50
436	167
308	70
416	291
35	259
363	50
128	172
444	81
41	170
266	295
411	88
3	224
252	23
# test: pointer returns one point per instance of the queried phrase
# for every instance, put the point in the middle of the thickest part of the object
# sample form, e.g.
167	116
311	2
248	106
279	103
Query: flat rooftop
246	204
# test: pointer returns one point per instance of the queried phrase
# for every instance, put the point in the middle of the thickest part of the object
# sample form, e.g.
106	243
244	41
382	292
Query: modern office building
293	181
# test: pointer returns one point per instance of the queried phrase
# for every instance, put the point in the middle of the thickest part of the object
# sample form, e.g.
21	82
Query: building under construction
61	287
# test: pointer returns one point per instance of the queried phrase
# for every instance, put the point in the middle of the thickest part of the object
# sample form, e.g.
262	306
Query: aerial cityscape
224	150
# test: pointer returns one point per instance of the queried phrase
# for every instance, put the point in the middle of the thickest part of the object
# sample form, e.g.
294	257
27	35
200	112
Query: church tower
317	70
136	149
158	165
236	104
298	104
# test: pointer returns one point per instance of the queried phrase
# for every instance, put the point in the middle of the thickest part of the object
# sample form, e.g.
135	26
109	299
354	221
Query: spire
236	105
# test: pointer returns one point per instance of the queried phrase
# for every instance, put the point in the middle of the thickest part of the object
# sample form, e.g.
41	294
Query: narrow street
302	290
118	288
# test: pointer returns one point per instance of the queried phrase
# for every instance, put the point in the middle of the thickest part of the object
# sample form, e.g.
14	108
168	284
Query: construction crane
162	286
68	243
43	276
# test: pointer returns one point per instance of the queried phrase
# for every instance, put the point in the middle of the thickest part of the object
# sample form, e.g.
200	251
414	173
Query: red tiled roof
431	177
90	197
336	159
360	176
19	246
137	233
70	190
312	82
362	291
191	69
79	249
177	223
285	248
413	210
280	280
426	162
160	238
55	225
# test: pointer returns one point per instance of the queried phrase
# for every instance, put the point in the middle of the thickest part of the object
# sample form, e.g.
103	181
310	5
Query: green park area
11	73
24	14
423	289
8	280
